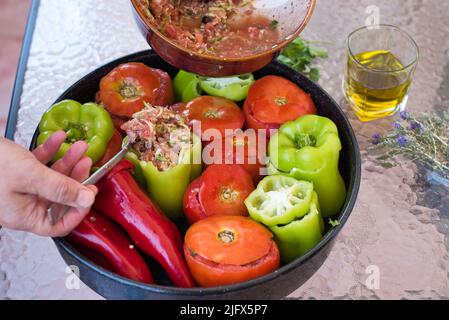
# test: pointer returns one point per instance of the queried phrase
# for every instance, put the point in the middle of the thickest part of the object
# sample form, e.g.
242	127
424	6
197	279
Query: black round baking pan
276	285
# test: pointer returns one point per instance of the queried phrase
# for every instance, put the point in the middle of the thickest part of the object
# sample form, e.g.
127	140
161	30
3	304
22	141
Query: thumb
65	225
58	188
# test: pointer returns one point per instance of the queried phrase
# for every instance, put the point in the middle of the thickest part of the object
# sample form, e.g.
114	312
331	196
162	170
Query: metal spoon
57	211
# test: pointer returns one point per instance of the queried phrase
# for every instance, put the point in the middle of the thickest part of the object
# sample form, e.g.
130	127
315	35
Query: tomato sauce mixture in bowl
226	28
221	37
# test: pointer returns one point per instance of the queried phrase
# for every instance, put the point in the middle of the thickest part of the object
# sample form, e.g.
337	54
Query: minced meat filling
160	136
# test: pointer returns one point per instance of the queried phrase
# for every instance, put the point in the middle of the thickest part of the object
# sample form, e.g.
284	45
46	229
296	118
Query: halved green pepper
186	86
309	149
233	88
290	209
300	236
279	200
167	188
89	122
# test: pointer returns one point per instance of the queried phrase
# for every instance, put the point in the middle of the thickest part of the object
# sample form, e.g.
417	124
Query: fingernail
85	198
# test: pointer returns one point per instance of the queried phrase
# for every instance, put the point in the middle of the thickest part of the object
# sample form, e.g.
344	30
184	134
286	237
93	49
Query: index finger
45	152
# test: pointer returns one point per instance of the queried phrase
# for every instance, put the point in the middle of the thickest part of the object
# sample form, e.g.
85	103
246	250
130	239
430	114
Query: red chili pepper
102	241
121	199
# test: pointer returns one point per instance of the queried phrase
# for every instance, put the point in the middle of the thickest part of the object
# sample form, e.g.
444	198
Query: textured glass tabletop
399	229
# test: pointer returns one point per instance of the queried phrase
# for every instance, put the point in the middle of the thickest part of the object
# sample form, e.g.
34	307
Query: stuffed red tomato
273	101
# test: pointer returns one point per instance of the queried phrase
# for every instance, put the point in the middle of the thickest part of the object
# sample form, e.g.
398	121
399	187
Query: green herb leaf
314	74
300	55
388	165
334	223
318	52
160	157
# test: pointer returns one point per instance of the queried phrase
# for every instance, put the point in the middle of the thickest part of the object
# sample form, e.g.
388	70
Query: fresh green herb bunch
423	139
300	55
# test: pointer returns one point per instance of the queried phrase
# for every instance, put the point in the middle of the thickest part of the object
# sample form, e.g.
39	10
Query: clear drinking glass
381	64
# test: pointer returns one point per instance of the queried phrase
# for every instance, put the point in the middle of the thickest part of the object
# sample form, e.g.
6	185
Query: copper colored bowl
292	15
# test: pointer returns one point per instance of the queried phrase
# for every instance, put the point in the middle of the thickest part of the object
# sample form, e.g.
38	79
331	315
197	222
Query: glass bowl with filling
221	37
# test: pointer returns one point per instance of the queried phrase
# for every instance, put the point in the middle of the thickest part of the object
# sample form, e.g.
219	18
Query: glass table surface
399	229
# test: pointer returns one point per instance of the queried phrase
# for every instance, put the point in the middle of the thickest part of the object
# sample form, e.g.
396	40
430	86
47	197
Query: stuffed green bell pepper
290	209
133	157
309	149
89	122
166	154
301	235
279	200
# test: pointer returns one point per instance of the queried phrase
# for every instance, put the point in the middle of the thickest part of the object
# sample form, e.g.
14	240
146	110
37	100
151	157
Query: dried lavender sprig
424	139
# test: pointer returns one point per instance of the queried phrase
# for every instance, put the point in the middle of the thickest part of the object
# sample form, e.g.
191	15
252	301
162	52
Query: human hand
28	187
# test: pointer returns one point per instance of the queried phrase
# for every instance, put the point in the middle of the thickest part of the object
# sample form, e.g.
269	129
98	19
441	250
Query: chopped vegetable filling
159	135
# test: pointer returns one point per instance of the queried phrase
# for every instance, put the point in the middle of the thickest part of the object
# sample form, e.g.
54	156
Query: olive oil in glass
377	81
